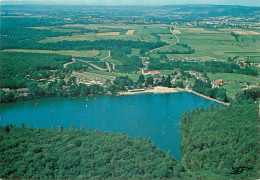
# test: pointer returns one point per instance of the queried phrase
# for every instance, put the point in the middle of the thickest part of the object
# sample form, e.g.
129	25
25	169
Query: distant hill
167	12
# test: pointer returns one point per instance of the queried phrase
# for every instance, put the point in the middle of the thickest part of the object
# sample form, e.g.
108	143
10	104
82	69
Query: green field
74	53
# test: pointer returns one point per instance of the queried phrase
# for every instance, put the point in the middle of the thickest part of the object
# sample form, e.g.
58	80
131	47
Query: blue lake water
146	115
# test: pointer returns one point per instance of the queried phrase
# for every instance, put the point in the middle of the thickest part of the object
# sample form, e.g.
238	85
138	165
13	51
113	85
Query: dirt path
95	66
114	67
108	65
73	60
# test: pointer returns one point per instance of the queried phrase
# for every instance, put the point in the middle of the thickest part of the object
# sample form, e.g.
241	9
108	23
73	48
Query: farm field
218	43
105	32
209	43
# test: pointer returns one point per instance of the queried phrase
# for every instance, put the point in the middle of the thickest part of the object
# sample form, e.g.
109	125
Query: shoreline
156	90
206	97
162	90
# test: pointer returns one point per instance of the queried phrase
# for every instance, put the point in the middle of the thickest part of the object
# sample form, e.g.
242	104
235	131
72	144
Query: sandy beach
156	90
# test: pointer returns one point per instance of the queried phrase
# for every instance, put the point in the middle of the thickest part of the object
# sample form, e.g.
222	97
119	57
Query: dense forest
215	146
28	153
19	69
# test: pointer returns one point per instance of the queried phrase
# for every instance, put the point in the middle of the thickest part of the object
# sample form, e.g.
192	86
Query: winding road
66	64
95	66
177	41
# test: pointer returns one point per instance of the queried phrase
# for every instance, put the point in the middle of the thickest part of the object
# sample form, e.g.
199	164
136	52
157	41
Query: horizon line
10	3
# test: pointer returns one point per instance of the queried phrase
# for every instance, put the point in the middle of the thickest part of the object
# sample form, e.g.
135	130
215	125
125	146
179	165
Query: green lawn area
232	89
81	53
114	61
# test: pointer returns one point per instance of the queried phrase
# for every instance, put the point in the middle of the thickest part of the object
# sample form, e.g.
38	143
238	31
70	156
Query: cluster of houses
244	64
20	91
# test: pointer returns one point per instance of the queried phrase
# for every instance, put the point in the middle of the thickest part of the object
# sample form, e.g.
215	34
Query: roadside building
155	72
219	82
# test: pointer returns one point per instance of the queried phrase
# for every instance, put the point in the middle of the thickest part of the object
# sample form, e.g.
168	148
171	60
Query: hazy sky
137	2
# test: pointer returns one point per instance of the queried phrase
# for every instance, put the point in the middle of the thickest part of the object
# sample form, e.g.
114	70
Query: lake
146	115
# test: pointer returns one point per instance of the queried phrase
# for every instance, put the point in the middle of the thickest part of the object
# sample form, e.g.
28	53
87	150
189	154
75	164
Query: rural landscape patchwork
129	92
